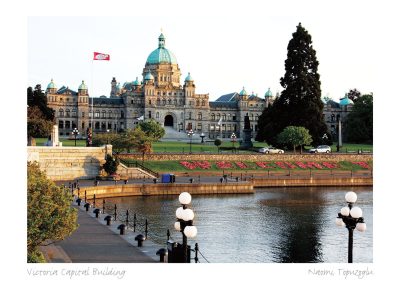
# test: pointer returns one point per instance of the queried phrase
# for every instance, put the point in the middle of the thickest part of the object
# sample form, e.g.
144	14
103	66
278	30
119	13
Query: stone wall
132	173
307	157
167	189
68	163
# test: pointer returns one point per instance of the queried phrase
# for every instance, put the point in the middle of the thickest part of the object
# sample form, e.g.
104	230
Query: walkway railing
136	164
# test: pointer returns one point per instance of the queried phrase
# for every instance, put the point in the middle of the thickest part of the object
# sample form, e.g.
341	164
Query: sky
223	53
225	45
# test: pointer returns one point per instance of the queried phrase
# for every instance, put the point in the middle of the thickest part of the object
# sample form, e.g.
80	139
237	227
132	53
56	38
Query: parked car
321	149
270	150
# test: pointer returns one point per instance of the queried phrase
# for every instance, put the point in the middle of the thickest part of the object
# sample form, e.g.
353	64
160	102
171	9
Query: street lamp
184	222
324	138
108	131
351	217
190	133
202	137
75	132
233	137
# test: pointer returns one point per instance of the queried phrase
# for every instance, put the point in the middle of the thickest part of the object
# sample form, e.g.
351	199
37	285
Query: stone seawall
306	157
312	182
166	189
68	163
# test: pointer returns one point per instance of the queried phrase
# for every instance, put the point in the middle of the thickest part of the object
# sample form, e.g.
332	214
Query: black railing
136	164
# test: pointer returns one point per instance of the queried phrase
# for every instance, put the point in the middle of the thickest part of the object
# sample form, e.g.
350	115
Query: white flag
220	121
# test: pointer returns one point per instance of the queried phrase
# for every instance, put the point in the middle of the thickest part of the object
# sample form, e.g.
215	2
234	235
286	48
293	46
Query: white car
270	150
321	149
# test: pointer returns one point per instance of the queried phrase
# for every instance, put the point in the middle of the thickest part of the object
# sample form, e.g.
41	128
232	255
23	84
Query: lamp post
233	138
202	137
190	133
108	131
184	222
351	217
75	132
324	138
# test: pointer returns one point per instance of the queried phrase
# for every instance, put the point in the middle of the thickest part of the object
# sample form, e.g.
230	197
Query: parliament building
159	95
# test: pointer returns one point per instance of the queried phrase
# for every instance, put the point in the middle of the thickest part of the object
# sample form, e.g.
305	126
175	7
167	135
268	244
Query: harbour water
283	225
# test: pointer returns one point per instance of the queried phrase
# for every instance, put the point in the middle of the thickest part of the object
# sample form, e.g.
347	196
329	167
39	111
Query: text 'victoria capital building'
160	96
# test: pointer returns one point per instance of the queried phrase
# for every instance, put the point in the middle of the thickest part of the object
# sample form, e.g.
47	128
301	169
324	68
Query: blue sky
222	52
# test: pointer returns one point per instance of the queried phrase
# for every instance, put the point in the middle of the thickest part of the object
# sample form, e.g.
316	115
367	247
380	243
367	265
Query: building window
83	114
73	112
224	116
109	114
169	101
122	114
61	113
212	116
67	124
197	102
73	125
158	101
109	125
149	101
199	116
83	125
234	117
163	101
97	125
203	102
61	124
157	114
103	114
332	118
67	112
199	127
190	115
97	114
149	114
103	125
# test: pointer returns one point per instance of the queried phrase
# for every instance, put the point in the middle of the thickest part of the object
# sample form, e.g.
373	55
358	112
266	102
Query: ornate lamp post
351	217
190	133
184	222
233	138
202	137
75	132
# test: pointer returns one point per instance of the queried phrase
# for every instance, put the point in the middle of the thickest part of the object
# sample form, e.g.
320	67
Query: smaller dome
243	92
189	77
268	93
149	76
136	82
82	86
51	84
345	101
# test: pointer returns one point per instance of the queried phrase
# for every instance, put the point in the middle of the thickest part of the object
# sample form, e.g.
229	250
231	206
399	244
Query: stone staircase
173	135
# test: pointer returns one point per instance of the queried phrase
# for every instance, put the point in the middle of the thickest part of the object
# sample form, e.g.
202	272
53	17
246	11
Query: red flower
205	165
364	165
224	165
188	165
241	165
330	165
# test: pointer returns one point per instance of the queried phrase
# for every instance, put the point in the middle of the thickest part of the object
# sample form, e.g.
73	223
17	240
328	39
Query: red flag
101	56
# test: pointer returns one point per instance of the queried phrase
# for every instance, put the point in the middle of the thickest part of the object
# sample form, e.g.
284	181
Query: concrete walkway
94	242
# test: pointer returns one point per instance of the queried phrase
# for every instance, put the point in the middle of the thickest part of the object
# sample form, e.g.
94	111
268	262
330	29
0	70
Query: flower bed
224	165
364	165
241	165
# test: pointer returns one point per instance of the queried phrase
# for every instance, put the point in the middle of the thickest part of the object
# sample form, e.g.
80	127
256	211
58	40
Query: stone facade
161	96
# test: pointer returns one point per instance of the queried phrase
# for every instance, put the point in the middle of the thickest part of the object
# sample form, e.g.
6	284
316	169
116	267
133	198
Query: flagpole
92	98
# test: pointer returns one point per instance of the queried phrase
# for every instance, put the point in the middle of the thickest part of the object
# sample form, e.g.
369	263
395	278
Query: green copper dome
149	76
51	84
82	86
136	82
243	92
161	54
268	93
189	77
346	101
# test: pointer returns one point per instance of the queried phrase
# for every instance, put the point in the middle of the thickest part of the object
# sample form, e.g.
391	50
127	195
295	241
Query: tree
40	116
111	165
50	216
295	136
217	143
353	94
300	102
152	129
141	141
359	123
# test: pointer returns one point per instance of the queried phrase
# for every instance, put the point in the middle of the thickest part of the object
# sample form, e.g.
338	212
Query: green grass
65	142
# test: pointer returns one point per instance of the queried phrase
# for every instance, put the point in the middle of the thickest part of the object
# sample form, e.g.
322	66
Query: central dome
161	54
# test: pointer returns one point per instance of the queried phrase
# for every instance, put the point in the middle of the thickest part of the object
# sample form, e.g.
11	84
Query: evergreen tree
359	123
300	102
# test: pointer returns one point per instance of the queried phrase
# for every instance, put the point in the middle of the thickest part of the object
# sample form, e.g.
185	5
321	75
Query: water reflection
273	225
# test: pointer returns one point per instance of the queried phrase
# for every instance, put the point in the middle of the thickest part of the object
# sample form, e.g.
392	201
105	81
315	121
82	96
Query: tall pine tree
300	102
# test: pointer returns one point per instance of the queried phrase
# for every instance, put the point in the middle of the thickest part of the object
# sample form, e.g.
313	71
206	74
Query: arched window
109	114
203	102
218	116
163	101
158	101
67	112
61	113
224	116
103	114
229	116
97	113
169	101
212	116
199	116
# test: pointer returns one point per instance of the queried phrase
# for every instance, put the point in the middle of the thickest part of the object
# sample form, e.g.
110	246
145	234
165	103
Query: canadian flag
101	56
